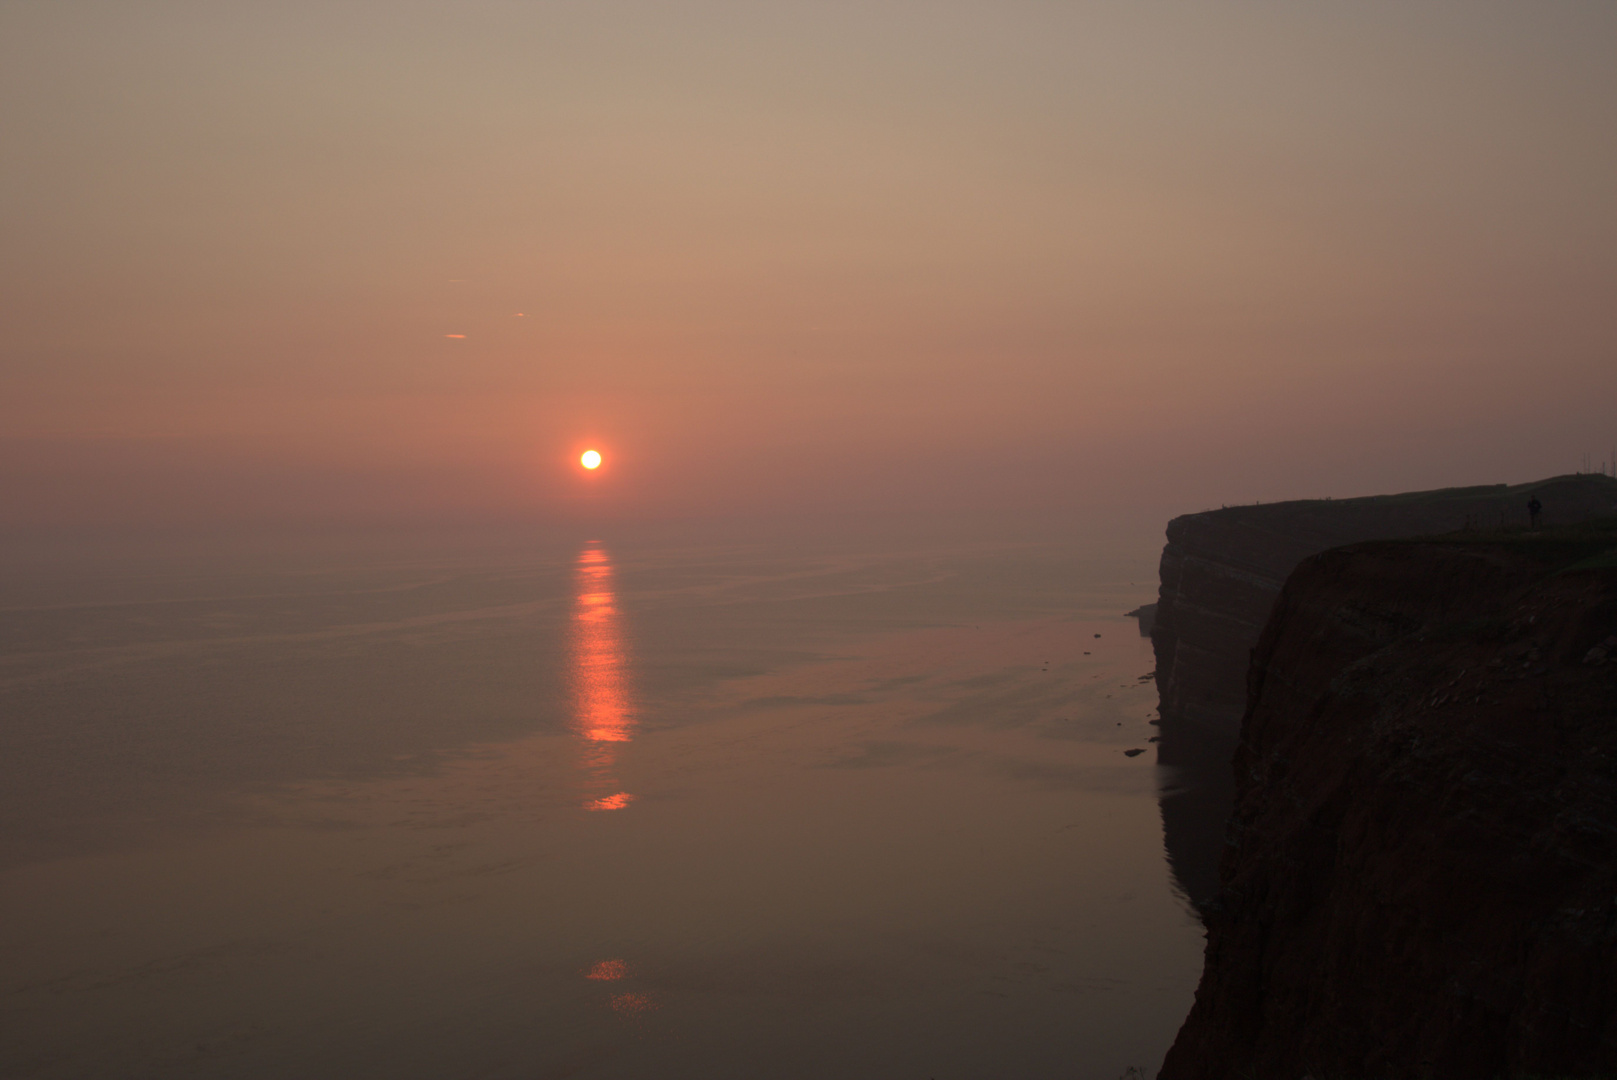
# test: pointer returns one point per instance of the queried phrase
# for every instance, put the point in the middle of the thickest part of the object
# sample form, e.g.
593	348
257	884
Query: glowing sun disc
590	460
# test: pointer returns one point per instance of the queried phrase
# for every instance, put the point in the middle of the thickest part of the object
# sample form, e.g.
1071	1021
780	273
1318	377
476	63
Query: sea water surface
604	806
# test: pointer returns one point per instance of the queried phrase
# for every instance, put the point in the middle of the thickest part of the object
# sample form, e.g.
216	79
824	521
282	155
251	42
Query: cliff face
1221	571
1421	878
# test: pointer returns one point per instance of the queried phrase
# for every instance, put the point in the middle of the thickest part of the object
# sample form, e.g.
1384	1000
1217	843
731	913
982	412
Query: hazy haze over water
376	261
348	726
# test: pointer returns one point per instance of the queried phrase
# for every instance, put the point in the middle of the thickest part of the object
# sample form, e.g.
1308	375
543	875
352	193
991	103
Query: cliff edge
1222	569
1420	878
1221	573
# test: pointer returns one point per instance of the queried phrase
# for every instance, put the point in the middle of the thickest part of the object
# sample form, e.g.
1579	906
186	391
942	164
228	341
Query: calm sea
609	806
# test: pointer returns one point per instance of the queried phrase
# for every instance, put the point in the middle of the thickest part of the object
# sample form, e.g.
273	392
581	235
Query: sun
591	459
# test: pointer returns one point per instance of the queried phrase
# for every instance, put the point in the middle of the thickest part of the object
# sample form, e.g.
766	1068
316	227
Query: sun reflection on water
602	715
607	970
632	1004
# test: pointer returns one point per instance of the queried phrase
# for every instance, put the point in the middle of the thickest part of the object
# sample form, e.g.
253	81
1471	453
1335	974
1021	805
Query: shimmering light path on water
603	715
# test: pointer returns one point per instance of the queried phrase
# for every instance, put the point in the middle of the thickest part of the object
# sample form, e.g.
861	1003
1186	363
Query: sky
402	262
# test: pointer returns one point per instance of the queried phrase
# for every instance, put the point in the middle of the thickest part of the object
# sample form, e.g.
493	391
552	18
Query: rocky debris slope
1221	571
1421	873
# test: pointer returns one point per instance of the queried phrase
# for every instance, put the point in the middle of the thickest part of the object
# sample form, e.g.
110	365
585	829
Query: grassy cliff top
1583	545
1571	497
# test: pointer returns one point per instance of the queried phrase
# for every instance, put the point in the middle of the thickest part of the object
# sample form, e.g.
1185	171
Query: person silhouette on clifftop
1534	509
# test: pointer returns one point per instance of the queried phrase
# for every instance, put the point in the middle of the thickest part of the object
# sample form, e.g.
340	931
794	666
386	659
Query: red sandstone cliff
1421	879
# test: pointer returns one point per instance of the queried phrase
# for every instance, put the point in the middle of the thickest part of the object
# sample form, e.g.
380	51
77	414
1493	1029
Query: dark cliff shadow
1196	799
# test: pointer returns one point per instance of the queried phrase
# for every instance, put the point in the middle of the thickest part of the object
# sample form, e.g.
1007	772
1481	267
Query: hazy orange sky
796	256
